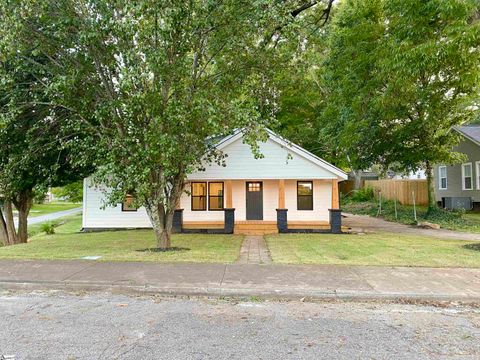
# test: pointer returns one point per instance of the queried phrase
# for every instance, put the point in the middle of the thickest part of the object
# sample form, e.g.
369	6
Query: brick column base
177	224
229	224
335	221
282	220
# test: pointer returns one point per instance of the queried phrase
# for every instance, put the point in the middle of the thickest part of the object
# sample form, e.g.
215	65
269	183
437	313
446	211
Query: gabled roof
471	132
291	147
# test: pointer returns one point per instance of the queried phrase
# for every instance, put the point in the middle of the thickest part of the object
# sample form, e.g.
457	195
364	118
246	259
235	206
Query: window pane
216	203
216	189
468	183
443	172
199	189
305	203
254	187
199	203
467	170
305	188
444	183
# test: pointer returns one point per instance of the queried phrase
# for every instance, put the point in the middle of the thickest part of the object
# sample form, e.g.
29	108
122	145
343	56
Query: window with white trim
442	176
477	173
467	176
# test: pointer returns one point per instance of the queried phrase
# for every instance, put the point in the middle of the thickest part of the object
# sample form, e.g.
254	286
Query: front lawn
385	249
469	222
48	208
129	245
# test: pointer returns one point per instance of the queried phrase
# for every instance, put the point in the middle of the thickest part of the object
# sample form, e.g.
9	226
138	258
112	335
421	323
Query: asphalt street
93	326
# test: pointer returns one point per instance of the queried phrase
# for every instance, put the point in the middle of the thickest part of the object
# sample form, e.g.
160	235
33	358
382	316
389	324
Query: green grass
130	245
384	249
458	221
48	208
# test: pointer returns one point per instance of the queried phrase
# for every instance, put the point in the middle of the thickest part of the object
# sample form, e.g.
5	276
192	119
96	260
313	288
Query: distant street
49	326
51	217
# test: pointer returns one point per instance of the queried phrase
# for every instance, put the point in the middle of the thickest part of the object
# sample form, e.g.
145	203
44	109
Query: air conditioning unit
457	203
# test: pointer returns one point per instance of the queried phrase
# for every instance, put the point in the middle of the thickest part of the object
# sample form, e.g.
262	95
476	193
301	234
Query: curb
274	294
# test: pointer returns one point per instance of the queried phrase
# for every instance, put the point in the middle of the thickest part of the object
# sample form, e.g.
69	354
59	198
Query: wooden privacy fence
347	186
402	190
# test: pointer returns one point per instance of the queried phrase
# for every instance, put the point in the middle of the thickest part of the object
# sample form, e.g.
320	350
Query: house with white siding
287	190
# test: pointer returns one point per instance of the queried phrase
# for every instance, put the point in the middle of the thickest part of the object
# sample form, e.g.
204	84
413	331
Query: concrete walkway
277	281
254	251
368	224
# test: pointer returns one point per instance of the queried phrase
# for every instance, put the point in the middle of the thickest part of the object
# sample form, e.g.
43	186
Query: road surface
51	217
56	326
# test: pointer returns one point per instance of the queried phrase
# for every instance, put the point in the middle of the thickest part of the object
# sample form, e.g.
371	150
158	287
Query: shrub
365	194
48	228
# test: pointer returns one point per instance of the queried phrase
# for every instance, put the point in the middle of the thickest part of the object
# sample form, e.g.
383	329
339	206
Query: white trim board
463	176
477	174
440	177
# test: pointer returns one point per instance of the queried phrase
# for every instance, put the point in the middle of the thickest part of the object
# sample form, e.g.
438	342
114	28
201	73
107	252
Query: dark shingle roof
471	132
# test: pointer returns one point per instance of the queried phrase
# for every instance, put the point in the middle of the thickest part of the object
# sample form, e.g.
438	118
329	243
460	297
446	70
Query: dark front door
255	200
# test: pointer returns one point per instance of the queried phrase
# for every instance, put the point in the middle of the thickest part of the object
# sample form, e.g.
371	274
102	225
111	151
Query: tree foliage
34	153
398	76
152	81
72	192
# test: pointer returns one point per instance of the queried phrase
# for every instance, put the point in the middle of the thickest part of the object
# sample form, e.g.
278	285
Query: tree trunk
23	204
162	224
10	225
430	190
160	210
358	179
3	230
22	232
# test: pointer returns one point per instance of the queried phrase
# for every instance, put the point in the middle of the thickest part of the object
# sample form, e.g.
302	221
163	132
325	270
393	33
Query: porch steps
255	227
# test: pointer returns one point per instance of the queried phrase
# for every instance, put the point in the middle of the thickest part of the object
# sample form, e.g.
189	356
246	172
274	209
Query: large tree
399	75
35	151
33	156
154	80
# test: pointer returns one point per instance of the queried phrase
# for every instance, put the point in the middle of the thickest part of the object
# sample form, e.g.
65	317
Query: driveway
368	224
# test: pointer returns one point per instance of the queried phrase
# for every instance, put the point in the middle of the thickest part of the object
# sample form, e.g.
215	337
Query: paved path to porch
254	251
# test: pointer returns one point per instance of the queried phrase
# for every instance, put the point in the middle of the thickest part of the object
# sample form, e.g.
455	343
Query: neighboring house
288	190
458	186
364	175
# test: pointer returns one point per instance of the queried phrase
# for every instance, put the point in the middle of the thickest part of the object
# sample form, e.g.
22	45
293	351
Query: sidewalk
276	281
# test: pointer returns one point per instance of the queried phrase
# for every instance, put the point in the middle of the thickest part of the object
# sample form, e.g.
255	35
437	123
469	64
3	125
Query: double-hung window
215	196
442	178
467	176
203	191
304	195
199	196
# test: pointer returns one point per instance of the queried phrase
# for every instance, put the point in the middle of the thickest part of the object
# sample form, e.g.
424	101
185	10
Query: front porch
255	227
259	207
